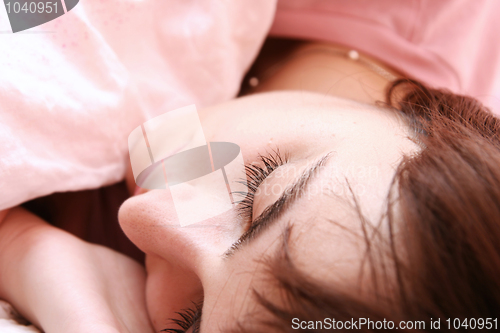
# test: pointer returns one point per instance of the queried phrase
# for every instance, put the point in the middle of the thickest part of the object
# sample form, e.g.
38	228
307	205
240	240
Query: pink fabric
446	43
70	97
72	90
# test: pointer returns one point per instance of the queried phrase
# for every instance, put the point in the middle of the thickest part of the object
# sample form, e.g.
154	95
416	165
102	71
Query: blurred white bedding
11	322
71	90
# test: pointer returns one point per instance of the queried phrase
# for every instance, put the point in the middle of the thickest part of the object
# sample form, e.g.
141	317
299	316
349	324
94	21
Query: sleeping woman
355	209
373	203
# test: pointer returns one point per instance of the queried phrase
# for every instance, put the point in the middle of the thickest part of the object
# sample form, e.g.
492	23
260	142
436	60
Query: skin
313	118
61	283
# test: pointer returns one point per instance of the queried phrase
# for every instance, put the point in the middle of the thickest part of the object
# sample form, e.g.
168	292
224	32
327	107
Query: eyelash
191	317
255	177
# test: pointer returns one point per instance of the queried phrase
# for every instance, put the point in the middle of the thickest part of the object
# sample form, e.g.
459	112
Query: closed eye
255	177
273	212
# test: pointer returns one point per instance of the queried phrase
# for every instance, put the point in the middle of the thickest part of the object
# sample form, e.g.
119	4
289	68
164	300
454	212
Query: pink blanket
71	90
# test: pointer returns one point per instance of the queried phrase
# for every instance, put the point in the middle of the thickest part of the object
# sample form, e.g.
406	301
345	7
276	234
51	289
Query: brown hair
446	262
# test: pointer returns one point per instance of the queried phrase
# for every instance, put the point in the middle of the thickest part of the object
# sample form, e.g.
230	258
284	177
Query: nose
187	220
150	221
181	261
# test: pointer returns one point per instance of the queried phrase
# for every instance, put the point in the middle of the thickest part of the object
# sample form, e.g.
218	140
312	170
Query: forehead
302	122
304	106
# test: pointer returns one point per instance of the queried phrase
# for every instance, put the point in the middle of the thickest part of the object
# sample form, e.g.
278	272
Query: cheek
229	295
169	289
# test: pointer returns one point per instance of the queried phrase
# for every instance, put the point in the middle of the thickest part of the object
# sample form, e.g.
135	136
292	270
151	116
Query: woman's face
360	146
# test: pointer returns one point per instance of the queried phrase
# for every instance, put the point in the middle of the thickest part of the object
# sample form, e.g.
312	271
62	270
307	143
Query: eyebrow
273	212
